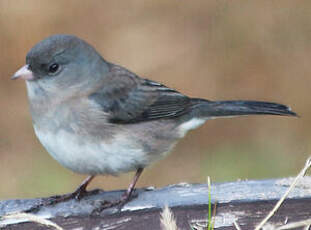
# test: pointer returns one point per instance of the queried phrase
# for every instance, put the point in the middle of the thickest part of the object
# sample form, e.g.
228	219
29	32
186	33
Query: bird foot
126	197
53	200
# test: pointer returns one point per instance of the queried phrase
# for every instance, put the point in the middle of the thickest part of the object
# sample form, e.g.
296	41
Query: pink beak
23	73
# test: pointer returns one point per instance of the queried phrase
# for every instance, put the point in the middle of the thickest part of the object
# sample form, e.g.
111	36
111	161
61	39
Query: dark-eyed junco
95	117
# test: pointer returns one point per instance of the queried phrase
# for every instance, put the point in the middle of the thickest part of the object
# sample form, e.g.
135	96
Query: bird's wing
129	99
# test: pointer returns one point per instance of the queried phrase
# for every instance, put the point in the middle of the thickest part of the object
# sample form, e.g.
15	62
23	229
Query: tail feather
235	108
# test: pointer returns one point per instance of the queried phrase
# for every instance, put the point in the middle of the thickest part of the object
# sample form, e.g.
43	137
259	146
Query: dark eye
53	68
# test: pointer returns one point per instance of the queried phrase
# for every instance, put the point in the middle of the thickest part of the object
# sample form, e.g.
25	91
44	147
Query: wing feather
129	99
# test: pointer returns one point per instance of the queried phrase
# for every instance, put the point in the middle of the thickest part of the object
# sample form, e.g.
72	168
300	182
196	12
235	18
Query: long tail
204	108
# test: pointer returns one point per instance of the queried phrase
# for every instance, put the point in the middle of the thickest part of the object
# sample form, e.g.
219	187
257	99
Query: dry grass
264	225
31	218
168	221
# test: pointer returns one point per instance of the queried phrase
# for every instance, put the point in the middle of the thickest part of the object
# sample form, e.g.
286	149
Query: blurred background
256	50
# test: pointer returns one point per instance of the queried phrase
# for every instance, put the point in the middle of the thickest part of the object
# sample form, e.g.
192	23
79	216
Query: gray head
60	62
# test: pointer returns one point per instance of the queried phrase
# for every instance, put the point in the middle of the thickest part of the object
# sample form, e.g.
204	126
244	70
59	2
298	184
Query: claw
78	194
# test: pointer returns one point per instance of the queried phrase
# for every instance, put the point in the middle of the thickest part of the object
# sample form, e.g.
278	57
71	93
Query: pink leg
125	197
131	187
81	190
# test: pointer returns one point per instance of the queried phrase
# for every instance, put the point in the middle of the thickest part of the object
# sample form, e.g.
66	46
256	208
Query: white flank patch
189	125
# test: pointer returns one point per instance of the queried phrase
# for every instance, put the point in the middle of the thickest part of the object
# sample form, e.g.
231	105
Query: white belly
118	155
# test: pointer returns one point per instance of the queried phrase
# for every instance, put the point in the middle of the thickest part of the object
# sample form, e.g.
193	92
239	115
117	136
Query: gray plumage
95	117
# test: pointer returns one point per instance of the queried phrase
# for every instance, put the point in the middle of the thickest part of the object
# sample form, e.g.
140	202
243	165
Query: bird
98	118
